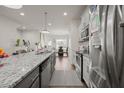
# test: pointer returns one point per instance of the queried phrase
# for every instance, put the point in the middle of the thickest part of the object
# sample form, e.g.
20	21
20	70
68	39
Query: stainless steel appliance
96	72
85	33
106	46
84	51
79	65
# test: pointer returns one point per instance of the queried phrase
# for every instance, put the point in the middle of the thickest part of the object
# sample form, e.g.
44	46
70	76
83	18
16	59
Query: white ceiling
34	16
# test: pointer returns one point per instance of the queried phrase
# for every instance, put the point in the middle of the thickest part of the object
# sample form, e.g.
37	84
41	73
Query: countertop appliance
106	46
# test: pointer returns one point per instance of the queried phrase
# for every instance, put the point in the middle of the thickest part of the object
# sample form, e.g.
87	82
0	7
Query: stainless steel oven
85	33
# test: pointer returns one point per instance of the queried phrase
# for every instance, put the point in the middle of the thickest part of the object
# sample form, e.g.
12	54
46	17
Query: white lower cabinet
86	70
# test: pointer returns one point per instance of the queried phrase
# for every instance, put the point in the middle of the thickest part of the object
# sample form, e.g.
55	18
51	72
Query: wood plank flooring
66	79
62	64
64	75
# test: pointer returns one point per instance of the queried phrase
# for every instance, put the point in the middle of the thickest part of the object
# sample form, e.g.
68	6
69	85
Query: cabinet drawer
44	65
29	79
36	83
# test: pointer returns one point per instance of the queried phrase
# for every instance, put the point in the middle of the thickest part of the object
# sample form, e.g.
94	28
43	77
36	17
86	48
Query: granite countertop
15	68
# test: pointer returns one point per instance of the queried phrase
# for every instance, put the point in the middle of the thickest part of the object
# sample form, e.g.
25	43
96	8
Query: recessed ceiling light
23	27
65	14
49	24
44	32
22	14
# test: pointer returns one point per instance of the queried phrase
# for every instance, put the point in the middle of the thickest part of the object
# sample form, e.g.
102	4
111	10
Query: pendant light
45	24
14	6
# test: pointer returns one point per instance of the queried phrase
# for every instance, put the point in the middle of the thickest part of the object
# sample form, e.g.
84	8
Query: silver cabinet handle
122	24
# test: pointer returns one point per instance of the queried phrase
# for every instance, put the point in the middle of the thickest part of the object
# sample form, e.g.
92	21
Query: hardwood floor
64	75
62	64
65	79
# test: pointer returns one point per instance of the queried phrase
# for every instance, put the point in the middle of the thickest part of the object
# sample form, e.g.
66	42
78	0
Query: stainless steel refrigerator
106	46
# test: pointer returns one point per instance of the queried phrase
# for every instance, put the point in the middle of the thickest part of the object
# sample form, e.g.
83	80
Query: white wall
8	33
84	18
73	40
74	33
55	37
32	36
75	26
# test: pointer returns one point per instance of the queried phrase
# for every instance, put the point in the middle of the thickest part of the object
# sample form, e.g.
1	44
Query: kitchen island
27	70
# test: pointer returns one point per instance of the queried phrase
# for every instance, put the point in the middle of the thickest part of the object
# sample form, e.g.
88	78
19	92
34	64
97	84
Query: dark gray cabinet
36	83
40	76
29	79
46	73
53	62
45	76
47	70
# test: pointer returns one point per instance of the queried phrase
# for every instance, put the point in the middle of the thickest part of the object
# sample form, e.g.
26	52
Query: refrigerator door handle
121	15
120	11
122	24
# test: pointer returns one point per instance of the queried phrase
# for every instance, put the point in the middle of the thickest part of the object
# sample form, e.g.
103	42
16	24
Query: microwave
85	32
